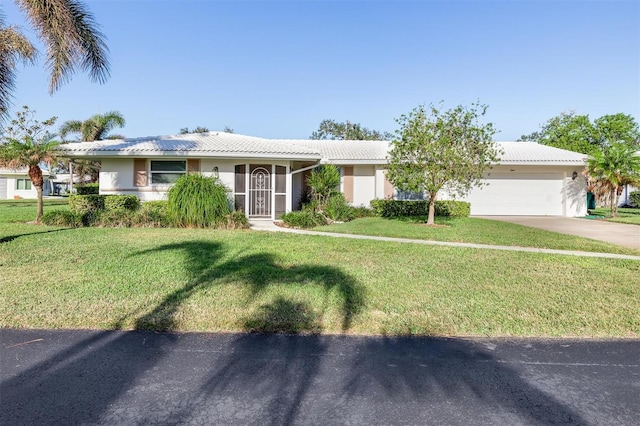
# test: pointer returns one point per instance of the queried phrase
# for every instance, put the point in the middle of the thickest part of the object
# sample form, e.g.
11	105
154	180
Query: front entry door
260	192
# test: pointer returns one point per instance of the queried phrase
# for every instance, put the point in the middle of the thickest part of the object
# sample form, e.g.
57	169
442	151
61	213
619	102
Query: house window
23	184
167	172
409	195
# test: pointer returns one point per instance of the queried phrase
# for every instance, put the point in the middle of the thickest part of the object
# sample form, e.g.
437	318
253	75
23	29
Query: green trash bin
591	201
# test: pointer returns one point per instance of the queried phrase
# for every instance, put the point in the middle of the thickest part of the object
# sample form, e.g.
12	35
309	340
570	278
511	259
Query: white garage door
523	195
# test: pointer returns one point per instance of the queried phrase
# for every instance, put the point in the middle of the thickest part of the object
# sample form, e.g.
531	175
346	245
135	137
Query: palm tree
612	169
29	152
70	35
96	128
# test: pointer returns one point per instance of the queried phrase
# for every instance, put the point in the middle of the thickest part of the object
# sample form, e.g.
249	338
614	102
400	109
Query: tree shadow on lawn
265	378
10	238
257	271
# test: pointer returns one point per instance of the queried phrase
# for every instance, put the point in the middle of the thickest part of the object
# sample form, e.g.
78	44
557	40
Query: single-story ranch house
15	183
267	176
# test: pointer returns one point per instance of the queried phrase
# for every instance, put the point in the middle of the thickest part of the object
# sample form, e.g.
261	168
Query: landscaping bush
88	189
197	201
62	218
362	211
116	218
152	214
635	198
121	202
337	209
234	220
452	208
306	218
84	204
399	208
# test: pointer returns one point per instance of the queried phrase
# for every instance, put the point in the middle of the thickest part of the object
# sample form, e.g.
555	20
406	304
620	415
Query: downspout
304	169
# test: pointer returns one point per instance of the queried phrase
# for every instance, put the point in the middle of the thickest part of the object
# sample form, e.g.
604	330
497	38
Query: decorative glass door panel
260	193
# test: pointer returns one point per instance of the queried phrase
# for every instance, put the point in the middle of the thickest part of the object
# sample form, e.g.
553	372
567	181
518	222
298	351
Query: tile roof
219	144
534	153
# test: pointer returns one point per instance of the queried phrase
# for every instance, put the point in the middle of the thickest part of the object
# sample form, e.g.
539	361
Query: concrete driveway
616	233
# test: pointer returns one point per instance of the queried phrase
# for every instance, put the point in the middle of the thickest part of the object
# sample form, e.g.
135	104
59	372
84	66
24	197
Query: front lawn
625	215
207	280
211	280
472	230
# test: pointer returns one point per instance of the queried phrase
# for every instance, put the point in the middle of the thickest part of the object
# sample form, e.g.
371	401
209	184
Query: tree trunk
35	174
40	205
614	210
432	209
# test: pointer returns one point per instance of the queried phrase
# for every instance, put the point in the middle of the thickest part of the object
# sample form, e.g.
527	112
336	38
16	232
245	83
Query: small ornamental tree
436	149
29	145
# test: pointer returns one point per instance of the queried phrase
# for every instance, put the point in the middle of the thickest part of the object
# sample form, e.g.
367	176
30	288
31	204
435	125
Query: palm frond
14	48
72	37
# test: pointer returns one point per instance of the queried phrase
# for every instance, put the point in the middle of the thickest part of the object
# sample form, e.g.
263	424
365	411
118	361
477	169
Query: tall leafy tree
333	130
567	131
72	38
29	144
618	128
578	133
613	168
436	149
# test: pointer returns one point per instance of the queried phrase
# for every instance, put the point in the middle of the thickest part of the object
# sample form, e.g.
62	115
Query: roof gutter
304	169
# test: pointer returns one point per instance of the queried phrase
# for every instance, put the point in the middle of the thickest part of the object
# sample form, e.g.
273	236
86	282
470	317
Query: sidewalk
267	225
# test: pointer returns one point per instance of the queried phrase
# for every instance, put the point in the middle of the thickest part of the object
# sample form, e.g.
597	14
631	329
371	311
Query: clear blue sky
277	68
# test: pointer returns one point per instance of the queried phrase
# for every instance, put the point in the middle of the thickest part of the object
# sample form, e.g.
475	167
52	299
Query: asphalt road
99	377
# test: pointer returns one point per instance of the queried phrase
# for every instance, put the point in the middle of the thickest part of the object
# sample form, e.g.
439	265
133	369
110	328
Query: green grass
14	215
473	230
625	215
213	280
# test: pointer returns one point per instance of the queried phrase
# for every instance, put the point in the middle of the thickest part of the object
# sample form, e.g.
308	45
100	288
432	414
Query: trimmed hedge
88	189
635	198
85	204
121	202
399	208
62	218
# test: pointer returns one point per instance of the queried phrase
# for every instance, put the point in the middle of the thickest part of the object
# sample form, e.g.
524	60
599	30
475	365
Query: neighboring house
625	200
15	183
267	176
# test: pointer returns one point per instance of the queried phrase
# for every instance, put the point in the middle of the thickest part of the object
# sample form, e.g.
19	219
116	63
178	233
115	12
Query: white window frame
152	172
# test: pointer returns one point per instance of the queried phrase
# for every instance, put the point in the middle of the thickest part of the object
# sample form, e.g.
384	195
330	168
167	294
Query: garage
532	194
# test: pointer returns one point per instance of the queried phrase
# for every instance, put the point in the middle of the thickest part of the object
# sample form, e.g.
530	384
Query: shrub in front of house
337	209
197	201
87	189
399	208
121	202
234	220
635	198
85	204
305	218
62	218
452	208
152	214
362	211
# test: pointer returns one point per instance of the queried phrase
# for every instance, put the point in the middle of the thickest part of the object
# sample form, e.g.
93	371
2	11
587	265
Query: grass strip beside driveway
475	231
